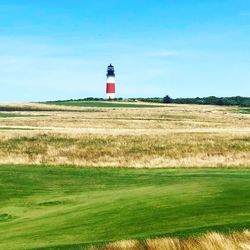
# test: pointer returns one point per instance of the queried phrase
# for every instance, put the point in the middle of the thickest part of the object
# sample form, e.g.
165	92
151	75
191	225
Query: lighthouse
110	86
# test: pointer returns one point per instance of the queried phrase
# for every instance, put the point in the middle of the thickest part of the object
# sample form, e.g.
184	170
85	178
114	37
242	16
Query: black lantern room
110	70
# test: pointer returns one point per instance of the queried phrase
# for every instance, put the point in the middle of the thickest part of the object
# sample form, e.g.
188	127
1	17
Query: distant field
102	104
45	206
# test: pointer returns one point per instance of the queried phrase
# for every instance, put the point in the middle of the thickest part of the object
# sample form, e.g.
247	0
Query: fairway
42	207
103	104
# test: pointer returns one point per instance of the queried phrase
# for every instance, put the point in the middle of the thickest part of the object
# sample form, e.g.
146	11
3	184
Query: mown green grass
245	110
10	115
68	208
102	104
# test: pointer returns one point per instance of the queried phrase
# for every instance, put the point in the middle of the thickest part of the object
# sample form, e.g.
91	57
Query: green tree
167	99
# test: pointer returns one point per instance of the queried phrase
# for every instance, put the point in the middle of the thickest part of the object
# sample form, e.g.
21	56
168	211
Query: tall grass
183	135
176	150
209	241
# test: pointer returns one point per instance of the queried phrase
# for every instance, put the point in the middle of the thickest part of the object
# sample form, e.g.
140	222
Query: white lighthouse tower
110	86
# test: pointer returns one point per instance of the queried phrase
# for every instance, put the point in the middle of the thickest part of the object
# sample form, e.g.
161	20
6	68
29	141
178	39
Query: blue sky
184	48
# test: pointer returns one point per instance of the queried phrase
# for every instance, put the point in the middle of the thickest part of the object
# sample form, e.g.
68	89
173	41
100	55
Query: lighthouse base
110	96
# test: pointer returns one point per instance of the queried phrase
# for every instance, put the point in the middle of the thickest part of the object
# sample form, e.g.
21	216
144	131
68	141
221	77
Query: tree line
210	100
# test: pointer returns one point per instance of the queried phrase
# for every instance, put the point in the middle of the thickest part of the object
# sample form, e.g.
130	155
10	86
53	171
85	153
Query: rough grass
177	149
209	241
70	208
177	136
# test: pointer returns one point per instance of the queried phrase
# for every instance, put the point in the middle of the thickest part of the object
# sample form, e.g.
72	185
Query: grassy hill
44	207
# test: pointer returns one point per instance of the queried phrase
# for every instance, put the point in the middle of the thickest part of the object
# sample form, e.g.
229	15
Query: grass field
42	207
74	207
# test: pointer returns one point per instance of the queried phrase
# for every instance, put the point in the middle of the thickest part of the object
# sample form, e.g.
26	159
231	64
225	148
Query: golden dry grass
171	136
210	241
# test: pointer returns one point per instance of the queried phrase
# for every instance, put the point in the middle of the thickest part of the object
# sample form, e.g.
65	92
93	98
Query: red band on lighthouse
110	88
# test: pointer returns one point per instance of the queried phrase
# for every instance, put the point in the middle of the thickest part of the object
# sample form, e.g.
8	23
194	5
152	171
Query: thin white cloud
164	53
245	13
172	53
